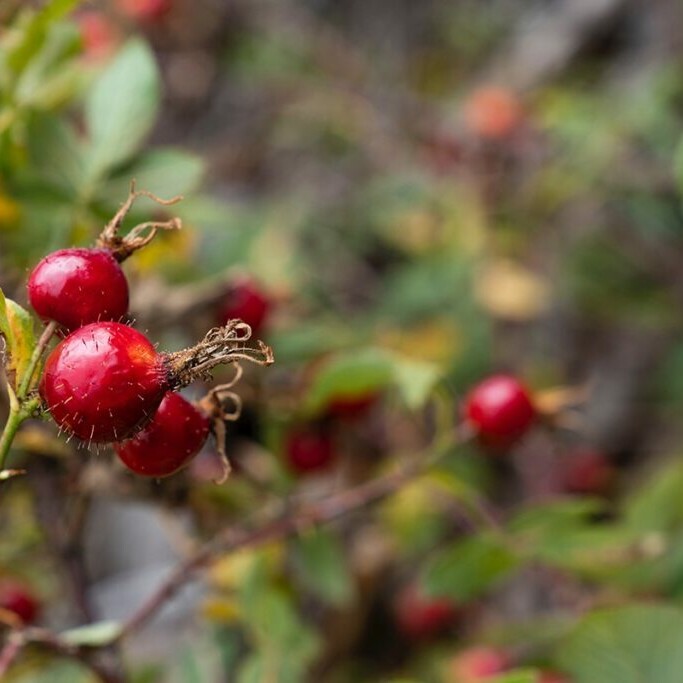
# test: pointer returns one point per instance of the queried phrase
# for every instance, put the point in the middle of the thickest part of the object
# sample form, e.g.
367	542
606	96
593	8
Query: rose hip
75	287
103	381
168	442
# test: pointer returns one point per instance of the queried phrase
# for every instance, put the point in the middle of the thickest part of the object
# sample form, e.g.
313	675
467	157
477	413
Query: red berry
249	303
16	598
103	381
588	472
98	34
145	10
75	287
169	441
420	617
500	410
493	113
309	450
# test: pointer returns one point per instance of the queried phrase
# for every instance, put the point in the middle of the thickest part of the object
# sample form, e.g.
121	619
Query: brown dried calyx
139	236
221	345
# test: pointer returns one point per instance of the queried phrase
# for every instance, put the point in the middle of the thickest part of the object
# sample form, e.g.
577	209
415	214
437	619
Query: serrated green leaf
16	326
320	559
468	568
633	644
93	635
121	108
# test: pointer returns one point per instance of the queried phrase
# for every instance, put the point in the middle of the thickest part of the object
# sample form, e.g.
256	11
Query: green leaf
121	108
468	568
319	558
16	326
658	504
633	644
34	30
93	635
520	676
51	671
165	172
350	374
56	153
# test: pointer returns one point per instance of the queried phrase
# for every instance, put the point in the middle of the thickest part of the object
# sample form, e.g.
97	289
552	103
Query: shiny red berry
246	301
309	449
103	381
420	617
168	442
75	287
16	598
479	663
500	410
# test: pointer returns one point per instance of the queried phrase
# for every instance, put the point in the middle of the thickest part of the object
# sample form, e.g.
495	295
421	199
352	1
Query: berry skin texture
308	450
500	410
419	617
249	303
103	381
168	442
16	598
98	35
479	663
75	287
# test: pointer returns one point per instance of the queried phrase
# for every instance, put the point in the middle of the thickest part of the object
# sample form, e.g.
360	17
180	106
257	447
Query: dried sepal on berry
221	345
214	406
123	247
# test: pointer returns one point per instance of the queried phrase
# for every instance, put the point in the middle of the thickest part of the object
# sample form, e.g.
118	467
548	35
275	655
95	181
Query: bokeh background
414	194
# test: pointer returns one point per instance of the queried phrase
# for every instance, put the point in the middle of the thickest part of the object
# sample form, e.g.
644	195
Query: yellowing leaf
222	609
508	290
16	326
438	341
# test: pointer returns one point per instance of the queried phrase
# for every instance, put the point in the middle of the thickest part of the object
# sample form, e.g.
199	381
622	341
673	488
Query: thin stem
18	413
35	359
14	420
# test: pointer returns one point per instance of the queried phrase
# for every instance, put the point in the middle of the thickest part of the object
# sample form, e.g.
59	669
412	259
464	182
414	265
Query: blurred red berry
500	410
420	617
248	302
479	663
98	34
16	598
493	112
145	10
309	449
588	472
351	407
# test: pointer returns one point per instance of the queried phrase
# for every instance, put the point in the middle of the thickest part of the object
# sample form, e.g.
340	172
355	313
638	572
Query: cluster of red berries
105	382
